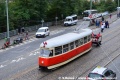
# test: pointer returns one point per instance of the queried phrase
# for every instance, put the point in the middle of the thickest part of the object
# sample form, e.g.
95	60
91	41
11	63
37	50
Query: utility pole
8	38
90	5
118	3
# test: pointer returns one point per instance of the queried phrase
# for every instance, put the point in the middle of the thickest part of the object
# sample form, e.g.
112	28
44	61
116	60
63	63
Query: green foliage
31	12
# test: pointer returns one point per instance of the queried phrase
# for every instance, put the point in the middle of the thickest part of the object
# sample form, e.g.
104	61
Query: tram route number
72	78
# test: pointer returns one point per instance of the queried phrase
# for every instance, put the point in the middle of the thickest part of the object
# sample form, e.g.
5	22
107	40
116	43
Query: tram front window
85	14
45	53
68	19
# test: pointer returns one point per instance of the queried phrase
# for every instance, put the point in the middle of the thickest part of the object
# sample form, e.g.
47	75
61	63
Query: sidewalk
30	36
52	28
113	19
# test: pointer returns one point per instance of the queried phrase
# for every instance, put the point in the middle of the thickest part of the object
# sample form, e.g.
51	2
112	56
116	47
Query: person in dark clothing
102	18
23	30
110	16
106	24
19	30
26	36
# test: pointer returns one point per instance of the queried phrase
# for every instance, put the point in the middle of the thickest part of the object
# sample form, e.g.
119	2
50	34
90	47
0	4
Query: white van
70	20
42	32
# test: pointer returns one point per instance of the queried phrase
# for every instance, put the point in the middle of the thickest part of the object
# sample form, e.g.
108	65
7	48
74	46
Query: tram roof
66	38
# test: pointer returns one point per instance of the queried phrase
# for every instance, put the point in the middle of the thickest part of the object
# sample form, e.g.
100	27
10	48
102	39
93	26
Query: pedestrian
102	28
117	15
23	29
107	24
96	22
102	18
104	24
19	30
26	35
100	23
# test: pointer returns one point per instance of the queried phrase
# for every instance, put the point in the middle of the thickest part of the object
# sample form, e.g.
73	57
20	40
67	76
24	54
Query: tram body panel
71	54
64	56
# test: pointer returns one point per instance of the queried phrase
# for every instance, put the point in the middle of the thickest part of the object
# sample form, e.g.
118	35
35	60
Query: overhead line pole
8	38
118	3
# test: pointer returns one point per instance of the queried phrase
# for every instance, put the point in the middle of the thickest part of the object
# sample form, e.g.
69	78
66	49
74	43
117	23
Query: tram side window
89	37
65	48
76	43
85	39
71	45
58	50
81	41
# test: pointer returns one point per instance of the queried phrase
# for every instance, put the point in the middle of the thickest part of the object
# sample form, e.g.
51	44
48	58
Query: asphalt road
80	67
20	62
21	58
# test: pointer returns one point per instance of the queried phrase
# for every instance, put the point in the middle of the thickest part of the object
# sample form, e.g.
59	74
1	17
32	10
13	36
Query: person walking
102	28
102	18
110	16
26	35
107	24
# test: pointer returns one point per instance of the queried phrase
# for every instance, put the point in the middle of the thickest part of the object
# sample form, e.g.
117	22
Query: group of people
102	23
24	33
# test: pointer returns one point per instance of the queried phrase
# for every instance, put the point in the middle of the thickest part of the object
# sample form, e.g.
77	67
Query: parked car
101	73
43	32
71	20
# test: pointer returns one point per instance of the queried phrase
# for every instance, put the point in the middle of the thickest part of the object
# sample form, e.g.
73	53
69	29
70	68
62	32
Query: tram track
76	67
44	74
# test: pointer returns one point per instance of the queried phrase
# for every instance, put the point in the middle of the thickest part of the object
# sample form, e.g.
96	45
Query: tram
60	50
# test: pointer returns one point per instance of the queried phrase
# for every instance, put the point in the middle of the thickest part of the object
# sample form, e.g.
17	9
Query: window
51	53
58	50
95	76
76	43
107	74
65	48
71	45
85	39
89	37
45	53
81	41
74	18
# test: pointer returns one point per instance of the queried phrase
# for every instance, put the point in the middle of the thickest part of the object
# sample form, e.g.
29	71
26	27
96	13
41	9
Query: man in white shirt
102	27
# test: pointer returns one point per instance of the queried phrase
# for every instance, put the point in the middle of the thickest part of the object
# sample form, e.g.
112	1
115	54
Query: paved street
20	62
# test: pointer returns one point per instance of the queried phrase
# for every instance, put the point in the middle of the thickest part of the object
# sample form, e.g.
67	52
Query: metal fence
30	29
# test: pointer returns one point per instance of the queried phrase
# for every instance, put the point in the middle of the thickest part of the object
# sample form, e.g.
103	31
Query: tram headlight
42	62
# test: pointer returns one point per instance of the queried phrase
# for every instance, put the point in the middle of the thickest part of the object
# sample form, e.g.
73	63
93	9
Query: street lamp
90	5
8	38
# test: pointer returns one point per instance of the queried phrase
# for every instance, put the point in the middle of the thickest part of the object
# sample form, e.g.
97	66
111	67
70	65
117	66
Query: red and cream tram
60	50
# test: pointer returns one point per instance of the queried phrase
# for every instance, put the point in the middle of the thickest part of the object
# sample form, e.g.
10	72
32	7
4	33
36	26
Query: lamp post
90	5
118	3
118	7
8	38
